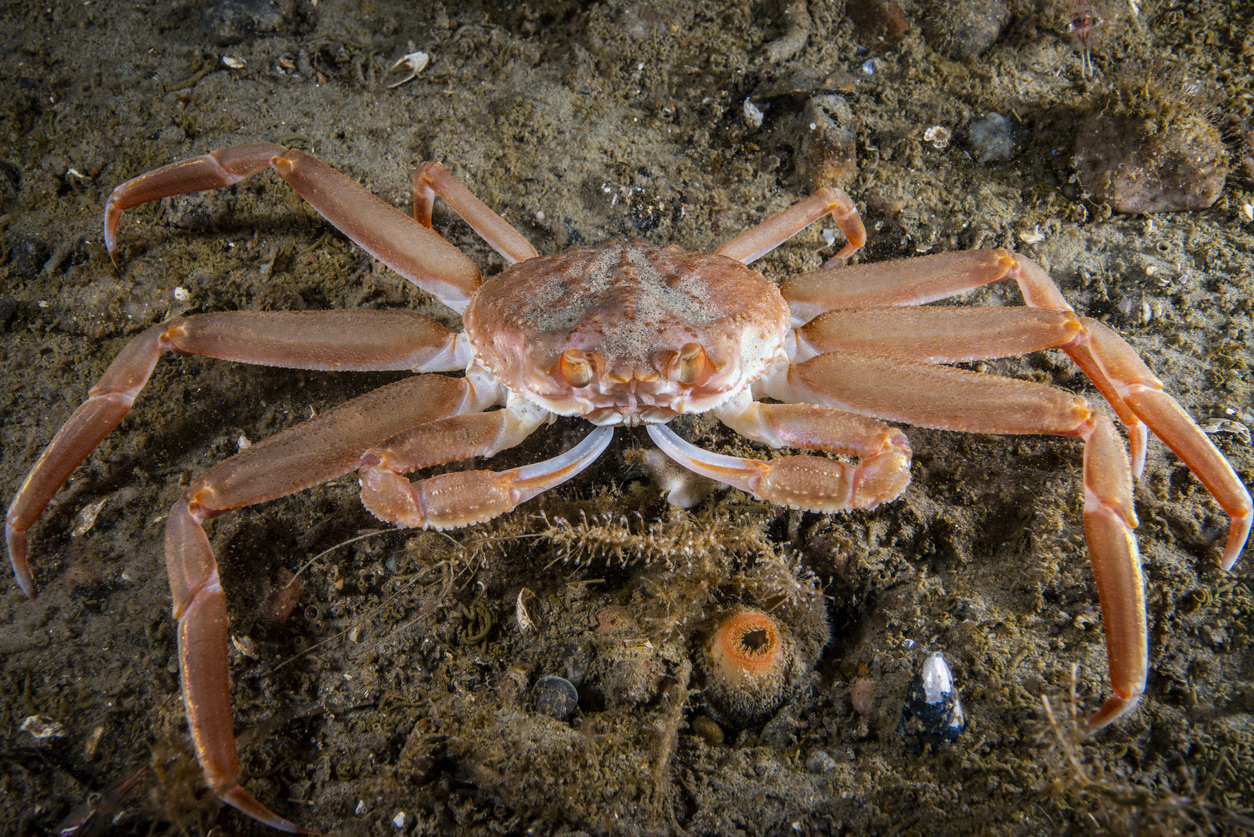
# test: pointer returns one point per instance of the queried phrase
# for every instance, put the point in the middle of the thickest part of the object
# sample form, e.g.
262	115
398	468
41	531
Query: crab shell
627	333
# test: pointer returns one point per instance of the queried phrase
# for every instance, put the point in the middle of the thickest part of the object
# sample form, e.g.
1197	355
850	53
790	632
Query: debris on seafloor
933	711
876	21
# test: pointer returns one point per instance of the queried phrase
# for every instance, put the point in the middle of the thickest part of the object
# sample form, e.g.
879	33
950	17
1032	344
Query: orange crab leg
942	397
1109	524
1130	388
327	340
814	483
936	334
431	179
200	607
461	498
756	242
318	450
416	253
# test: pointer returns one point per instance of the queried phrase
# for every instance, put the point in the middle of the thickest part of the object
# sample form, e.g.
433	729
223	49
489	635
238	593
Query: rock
877	20
964	30
1140	165
555	697
828	152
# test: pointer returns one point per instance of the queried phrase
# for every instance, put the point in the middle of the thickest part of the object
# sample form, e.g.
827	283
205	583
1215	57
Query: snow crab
626	333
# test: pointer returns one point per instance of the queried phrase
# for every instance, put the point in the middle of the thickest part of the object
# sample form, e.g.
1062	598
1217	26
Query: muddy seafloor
404	652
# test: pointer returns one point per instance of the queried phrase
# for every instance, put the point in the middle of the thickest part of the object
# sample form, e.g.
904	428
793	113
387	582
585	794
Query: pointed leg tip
16	540
1238	534
244	802
1115	707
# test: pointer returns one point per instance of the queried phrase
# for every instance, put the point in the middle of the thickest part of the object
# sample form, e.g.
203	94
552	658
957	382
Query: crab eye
692	363
575	368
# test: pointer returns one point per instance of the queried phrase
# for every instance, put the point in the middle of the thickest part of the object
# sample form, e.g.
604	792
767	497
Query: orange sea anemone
747	662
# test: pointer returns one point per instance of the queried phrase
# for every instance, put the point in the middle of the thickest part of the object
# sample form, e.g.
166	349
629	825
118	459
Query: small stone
555	697
862	695
705	728
820	762
964	30
232	21
1138	165
933	711
42	727
829	152
877	20
576	660
993	139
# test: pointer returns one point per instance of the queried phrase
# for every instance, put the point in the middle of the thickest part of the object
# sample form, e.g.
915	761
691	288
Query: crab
626	334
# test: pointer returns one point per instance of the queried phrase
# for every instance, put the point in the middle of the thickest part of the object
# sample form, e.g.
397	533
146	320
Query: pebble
862	695
555	697
829	152
820	762
1138	165
964	30
933	711
705	727
232	21
877	20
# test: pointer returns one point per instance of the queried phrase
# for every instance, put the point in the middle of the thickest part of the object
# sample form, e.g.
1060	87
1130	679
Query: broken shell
41	727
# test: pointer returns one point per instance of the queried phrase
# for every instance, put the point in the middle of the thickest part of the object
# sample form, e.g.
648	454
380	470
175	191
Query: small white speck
233	62
243	443
399	819
540	216
361	806
1248	211
182	294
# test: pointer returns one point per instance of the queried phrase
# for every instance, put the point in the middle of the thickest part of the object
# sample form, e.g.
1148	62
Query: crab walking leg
916	281
937	334
813	483
318	450
756	242
1130	388
431	179
1105	356
416	253
200	607
461	498
928	395
326	340
1109	521
954	399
